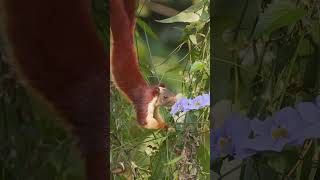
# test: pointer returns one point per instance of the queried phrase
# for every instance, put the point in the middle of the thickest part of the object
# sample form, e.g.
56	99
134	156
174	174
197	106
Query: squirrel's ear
162	85
155	91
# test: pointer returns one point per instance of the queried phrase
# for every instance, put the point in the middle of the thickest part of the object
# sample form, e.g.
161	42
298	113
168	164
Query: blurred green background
266	57
175	51
33	145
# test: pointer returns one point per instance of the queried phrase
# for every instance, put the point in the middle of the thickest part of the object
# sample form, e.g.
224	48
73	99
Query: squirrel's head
165	96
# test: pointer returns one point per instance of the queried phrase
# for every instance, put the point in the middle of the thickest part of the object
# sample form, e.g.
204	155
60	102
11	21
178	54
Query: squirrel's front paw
168	128
152	123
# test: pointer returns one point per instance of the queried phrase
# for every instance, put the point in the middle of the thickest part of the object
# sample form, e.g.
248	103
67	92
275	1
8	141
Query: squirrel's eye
165	97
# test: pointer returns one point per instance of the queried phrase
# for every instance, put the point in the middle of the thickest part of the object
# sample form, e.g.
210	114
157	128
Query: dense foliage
178	55
266	60
33	144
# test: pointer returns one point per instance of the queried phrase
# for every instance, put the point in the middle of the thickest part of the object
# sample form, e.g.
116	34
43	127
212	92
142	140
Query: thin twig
299	162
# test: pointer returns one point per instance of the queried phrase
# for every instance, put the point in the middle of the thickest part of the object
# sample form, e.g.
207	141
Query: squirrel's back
57	51
124	62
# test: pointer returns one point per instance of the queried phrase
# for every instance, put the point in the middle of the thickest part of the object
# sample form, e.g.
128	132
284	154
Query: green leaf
278	14
278	164
157	165
174	160
191	14
146	28
197	66
193	39
203	153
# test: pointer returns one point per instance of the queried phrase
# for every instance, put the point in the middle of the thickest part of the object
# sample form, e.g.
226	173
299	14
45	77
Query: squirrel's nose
171	101
174	99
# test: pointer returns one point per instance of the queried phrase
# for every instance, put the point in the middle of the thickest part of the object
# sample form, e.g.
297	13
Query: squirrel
61	58
59	55
125	68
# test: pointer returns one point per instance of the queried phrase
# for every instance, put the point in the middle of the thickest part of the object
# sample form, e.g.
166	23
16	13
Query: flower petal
263	143
261	127
318	101
312	131
309	112
244	153
288	118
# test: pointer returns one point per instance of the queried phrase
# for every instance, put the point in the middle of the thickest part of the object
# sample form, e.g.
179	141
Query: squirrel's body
125	68
59	54
57	51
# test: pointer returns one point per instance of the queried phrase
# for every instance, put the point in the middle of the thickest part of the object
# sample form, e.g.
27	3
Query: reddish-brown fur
57	49
125	67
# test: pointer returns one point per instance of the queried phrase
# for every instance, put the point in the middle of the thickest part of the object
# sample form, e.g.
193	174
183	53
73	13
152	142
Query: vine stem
236	69
229	62
291	65
299	162
315	158
231	171
151	62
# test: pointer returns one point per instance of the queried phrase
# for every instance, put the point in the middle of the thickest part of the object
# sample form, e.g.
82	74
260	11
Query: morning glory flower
288	126
310	114
227	139
180	105
184	104
220	144
277	131
206	99
318	101
200	101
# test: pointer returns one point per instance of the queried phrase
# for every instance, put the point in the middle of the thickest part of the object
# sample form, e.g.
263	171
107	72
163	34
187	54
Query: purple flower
318	101
220	143
180	105
184	104
286	127
200	102
227	139
310	114
206	99
277	131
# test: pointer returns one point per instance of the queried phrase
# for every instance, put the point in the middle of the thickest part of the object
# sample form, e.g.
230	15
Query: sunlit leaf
197	66
193	39
191	14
